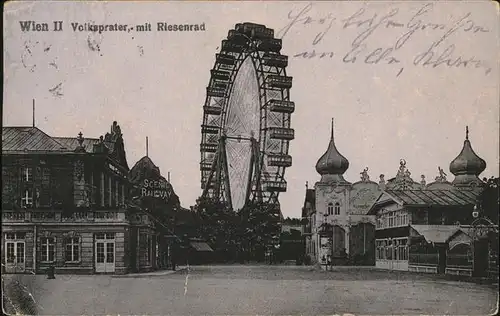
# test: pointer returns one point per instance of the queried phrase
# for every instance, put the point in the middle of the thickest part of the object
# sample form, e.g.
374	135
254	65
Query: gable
362	196
118	153
384	199
460	237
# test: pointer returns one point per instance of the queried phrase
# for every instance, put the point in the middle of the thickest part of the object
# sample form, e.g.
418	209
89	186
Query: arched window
337	208
330	209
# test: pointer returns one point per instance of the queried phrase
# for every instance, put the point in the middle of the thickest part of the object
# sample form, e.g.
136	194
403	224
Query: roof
22	139
29	139
436	233
88	143
144	168
452	197
310	198
200	246
426	198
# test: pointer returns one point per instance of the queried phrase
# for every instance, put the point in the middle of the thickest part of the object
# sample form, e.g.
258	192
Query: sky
154	83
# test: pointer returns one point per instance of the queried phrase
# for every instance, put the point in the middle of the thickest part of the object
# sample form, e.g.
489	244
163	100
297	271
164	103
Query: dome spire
467	166
331	136
332	165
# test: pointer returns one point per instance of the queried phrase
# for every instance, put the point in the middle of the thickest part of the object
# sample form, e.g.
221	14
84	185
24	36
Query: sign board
156	188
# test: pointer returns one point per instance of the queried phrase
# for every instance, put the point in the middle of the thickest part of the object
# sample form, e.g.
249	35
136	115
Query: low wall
458	271
399	265
423	268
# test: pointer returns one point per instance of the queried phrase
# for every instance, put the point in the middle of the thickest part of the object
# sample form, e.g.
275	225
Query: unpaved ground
246	290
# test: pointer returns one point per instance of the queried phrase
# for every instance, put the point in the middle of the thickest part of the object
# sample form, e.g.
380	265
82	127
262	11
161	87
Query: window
144	246
15	248
389	250
72	251
27	174
12	236
45	194
93	192
330	209
150	246
110	191
105	236
381	249
48	249
401	250
27	198
117	195
337	208
123	194
102	190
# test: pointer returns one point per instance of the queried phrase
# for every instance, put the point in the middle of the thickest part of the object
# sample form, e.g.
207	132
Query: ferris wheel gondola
246	129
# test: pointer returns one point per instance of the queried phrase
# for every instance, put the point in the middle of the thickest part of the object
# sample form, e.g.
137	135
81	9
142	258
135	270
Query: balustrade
59	216
14	216
45	216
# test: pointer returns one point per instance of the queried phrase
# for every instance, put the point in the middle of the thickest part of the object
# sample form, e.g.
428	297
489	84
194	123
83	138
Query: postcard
247	157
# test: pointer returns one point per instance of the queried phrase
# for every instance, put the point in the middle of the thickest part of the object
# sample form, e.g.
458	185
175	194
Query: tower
467	166
332	165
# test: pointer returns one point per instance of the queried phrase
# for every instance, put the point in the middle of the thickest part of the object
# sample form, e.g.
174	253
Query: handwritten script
436	43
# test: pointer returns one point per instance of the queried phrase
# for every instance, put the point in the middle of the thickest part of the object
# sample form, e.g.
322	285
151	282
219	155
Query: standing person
173	254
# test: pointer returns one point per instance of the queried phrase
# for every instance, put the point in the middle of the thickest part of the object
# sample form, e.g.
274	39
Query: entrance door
105	253
481	257
441	259
16	255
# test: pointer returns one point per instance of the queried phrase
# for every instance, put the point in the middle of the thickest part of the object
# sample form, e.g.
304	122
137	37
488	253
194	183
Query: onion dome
332	165
467	165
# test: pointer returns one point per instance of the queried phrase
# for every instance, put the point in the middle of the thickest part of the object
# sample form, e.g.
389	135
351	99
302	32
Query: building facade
337	228
418	227
65	203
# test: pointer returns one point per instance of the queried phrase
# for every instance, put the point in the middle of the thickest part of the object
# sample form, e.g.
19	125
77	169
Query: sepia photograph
250	158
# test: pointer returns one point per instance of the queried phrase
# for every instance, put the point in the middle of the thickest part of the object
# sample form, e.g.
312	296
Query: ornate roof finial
403	177
331	136
467	132
307	185
442	175
80	138
364	175
422	180
381	183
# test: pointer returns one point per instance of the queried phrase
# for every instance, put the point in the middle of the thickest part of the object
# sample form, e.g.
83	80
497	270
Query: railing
14	216
459	260
59	216
425	259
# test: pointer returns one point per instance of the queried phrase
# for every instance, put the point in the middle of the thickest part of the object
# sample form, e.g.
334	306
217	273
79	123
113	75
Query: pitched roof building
66	203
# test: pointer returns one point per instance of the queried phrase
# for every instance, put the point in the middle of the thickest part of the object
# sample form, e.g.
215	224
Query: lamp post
325	227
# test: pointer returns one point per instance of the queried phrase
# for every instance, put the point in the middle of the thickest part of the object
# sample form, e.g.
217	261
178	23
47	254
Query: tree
260	228
218	225
489	199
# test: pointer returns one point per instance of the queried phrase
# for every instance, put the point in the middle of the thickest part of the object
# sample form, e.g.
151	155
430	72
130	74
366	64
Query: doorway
105	253
15	252
15	256
441	259
481	256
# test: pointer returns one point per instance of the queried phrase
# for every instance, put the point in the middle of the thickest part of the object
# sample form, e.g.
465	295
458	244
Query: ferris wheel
245	133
